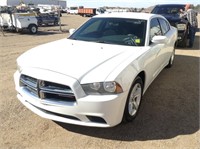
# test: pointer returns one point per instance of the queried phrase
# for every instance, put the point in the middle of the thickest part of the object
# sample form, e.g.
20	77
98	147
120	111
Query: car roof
131	15
171	5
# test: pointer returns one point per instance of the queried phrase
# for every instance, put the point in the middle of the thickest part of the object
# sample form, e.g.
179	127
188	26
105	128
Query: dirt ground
168	118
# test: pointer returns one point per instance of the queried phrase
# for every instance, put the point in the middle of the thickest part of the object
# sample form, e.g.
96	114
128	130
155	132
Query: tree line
197	8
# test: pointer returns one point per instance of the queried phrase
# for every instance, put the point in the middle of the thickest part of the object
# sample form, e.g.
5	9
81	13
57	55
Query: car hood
172	17
78	58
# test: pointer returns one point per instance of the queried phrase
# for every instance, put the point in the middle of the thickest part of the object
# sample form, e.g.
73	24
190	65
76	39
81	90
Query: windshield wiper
103	41
100	41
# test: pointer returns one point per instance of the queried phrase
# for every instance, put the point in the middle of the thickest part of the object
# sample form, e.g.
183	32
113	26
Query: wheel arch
142	75
126	117
32	25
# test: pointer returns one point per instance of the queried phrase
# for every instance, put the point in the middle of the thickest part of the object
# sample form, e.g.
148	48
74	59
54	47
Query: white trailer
19	22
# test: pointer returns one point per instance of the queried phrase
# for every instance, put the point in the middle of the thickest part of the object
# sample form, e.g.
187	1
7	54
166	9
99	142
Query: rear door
158	53
166	50
156	49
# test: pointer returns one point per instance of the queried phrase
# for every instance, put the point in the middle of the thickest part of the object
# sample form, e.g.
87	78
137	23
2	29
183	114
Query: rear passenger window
165	27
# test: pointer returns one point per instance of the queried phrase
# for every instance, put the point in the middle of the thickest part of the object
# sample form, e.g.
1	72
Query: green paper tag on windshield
137	40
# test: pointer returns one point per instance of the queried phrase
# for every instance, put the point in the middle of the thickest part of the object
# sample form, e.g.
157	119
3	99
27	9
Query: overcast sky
127	3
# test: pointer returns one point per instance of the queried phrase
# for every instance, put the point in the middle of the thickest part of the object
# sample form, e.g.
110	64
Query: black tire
134	100
33	28
39	23
17	30
56	23
184	41
171	60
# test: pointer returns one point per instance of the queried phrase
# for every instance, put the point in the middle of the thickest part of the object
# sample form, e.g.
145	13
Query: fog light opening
96	119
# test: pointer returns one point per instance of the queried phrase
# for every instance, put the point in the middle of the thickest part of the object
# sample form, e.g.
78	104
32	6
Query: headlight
102	88
181	26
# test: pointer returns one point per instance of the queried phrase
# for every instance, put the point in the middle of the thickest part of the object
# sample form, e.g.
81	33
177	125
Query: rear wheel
184	41
171	60
39	23
133	100
33	28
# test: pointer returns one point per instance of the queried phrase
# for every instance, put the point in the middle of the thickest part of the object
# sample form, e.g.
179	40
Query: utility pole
2	31
1	25
59	13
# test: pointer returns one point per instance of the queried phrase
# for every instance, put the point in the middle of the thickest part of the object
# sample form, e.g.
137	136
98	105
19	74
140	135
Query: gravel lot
168	118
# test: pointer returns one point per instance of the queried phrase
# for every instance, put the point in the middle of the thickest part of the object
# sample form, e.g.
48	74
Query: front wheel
184	41
133	100
56	23
33	28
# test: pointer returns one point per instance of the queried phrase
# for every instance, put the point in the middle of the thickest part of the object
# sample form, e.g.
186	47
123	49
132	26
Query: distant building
62	3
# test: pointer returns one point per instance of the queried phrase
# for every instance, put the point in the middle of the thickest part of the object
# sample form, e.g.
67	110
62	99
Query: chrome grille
29	84
46	90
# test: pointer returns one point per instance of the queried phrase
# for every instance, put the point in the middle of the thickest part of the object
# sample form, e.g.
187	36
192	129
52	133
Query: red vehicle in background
89	12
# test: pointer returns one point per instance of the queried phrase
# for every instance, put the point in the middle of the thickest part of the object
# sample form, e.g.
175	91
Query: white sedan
98	75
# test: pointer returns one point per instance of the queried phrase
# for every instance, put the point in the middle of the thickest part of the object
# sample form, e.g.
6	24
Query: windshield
119	31
168	10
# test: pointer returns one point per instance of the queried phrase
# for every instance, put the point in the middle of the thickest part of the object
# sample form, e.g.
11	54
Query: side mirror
159	39
71	31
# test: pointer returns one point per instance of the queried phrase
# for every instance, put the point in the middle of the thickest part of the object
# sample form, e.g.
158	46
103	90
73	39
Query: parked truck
73	10
89	12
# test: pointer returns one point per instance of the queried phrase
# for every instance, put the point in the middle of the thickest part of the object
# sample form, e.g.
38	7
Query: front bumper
88	110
